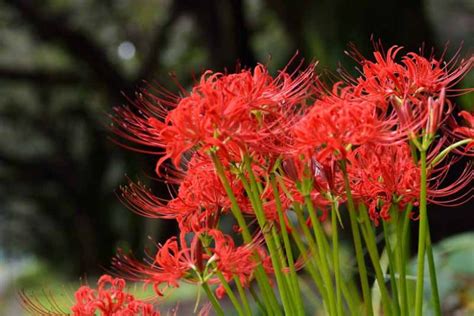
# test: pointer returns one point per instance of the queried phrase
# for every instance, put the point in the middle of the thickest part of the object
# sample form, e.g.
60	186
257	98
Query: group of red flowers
292	128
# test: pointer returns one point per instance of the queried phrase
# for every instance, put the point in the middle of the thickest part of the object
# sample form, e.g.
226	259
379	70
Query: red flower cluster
109	299
296	130
246	111
382	176
199	202
195	261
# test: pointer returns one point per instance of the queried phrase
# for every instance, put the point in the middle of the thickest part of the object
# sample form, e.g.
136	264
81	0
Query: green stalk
357	243
235	208
270	300
222	279
319	234
335	255
369	236
422	233
401	254
433	278
349	290
215	303
252	190
296	293
392	266
230	293
243	296
312	269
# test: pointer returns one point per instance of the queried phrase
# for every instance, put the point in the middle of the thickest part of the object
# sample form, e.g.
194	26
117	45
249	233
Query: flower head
246	111
110	298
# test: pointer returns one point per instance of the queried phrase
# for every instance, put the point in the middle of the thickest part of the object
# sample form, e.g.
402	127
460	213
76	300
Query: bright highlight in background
126	50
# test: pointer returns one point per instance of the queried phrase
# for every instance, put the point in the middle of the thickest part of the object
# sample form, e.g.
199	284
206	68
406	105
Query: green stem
243	296
295	288
357	243
335	254
221	278
369	236
433	278
319	234
270	300
258	301
215	303
422	233
235	208
252	190
311	265
349	289
392	265
401	254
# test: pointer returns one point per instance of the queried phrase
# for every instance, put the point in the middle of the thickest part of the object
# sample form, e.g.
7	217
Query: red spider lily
175	262
385	175
413	77
109	299
199	202
439	190
412	86
233	261
340	120
247	110
382	176
465	132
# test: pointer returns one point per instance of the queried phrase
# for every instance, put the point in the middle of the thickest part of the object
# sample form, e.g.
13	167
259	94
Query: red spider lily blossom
382	176
415	87
199	202
237	261
414	77
172	262
340	120
466	132
249	110
109	299
194	262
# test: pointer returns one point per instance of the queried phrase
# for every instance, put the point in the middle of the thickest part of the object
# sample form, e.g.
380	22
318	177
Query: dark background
65	64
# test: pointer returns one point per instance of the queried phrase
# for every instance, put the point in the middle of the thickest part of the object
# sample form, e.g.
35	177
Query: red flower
199	202
249	110
412	78
339	120
175	262
382	176
385	175
233	261
465	132
415	87
109	299
172	263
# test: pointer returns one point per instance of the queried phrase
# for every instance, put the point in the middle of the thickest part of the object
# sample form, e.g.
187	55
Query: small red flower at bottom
109	299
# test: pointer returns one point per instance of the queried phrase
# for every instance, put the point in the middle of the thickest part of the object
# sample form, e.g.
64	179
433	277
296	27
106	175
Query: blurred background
65	63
